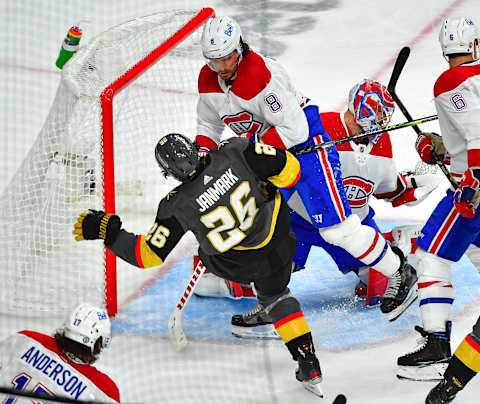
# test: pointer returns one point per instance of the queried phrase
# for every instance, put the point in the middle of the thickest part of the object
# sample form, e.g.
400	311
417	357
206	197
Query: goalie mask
459	35
177	156
221	36
86	324
372	106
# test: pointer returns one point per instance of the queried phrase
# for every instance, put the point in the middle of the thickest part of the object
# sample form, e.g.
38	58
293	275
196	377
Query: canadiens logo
358	190
243	122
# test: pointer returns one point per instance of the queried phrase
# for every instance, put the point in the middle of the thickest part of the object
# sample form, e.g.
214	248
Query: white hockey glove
419	186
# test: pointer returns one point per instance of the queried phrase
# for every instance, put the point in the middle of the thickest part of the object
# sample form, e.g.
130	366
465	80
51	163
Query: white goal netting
43	269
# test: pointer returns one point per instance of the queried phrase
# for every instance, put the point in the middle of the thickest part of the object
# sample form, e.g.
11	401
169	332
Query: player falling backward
254	96
368	169
455	222
61	366
243	229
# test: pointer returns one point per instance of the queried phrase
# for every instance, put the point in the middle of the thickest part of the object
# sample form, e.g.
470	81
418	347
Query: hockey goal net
117	96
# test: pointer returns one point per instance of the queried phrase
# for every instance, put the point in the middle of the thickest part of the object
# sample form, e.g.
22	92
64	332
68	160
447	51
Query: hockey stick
175	330
368	134
397	69
340	399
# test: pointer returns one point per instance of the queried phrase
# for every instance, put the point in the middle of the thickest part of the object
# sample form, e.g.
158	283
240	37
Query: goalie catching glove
467	196
95	225
411	189
429	142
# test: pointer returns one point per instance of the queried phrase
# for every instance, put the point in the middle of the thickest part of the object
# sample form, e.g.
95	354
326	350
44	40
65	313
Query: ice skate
443	393
429	361
401	291
308	371
254	323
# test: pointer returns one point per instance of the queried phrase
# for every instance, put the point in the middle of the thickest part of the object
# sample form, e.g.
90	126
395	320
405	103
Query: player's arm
460	109
280	107
278	166
209	126
138	250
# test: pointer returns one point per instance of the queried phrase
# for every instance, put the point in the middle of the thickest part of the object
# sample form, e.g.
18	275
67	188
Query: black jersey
227	206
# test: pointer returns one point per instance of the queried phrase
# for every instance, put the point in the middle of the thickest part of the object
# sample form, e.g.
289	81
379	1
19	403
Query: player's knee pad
430	267
434	282
341	233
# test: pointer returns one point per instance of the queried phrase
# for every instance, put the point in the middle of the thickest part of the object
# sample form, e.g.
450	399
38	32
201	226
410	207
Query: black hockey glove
96	224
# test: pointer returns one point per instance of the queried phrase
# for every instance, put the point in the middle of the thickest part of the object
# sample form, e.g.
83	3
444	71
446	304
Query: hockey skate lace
253	312
393	285
421	342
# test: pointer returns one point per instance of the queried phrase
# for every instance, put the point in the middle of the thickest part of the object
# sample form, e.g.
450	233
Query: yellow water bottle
69	46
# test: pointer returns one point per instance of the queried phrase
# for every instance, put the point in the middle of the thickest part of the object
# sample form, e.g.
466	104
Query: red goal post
107	97
96	150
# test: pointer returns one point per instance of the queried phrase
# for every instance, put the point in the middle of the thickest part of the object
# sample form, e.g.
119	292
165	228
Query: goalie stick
175	330
362	135
397	69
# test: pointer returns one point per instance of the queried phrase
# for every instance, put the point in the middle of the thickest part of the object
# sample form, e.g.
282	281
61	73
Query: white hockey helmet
220	37
86	324
371	105
458	35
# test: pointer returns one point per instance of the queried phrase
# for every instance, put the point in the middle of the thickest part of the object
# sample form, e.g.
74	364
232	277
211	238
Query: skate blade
412	296
259	332
313	386
427	373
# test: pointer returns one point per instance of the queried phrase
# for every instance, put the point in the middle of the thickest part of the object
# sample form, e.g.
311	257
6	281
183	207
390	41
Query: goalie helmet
177	156
220	37
372	106
458	35
86	324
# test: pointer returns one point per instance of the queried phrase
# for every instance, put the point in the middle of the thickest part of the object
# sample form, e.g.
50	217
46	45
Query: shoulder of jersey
208	81
101	380
252	77
452	78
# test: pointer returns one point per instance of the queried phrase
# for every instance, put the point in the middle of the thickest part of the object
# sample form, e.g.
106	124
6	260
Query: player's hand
467	195
419	186
429	142
96	224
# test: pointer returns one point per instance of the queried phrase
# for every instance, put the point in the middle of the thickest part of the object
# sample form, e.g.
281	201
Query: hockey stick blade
175	330
340	399
397	69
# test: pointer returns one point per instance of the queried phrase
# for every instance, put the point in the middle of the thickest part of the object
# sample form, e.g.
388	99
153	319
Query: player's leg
286	314
463	366
319	197
444	239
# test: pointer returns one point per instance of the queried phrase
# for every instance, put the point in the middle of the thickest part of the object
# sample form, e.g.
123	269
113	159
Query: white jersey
457	99
366	169
32	361
261	101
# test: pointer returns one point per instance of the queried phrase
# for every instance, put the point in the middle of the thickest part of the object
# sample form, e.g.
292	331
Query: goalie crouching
242	226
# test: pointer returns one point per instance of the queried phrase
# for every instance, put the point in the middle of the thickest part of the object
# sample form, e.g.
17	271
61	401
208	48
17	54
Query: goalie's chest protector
224	206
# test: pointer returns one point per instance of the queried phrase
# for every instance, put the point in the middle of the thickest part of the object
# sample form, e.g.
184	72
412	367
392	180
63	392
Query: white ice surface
342	45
